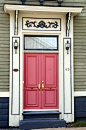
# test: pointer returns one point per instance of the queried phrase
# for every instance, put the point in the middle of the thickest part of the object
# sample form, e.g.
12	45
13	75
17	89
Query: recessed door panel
49	70
49	67
32	98
32	70
49	98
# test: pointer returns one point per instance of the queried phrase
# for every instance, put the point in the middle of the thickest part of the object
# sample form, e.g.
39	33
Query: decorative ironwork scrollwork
42	24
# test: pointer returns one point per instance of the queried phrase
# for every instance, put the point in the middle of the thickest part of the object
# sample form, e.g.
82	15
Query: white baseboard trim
76	94
4	94
79	93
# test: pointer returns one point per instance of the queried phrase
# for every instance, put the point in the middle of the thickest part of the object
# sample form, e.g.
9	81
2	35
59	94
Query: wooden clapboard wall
4	49
79	42
79	45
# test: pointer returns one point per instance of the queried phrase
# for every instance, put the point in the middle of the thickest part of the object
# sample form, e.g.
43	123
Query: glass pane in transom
41	43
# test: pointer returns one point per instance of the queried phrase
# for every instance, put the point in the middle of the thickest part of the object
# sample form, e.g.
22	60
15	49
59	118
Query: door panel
32	71
31	97
49	67
49	98
40	69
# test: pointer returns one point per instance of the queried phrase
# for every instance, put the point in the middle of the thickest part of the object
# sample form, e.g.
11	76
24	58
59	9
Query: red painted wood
38	68
32	97
50	77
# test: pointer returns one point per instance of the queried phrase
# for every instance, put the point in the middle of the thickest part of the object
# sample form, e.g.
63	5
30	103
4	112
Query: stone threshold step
41	113
42	123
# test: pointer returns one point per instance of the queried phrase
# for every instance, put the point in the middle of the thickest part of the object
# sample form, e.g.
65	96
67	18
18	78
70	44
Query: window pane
41	43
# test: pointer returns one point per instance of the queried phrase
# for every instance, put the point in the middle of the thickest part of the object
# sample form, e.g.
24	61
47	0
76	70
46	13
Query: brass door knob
39	86
42	86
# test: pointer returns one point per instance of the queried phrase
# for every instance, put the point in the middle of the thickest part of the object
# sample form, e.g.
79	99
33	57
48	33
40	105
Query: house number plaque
41	24
67	69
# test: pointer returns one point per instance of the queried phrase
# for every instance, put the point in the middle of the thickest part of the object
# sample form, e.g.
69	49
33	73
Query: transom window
40	43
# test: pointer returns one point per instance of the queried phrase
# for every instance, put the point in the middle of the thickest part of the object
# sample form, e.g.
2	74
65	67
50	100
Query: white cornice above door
42	9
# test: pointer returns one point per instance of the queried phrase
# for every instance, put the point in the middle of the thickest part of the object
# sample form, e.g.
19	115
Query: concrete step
42	123
41	114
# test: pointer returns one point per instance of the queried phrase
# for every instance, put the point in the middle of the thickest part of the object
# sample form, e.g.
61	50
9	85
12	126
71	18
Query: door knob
42	86
39	86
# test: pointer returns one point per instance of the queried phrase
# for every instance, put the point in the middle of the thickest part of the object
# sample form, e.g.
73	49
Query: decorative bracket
41	2
68	18
59	2
16	23
23	1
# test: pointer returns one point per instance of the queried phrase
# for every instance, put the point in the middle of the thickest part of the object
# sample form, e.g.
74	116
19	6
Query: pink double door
41	81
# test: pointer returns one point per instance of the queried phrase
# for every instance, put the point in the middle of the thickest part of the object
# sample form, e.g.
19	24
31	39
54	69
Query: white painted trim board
79	93
22	8
4	94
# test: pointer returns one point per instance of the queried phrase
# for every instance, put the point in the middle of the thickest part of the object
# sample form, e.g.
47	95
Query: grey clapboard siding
79	42
4	48
80	51
79	45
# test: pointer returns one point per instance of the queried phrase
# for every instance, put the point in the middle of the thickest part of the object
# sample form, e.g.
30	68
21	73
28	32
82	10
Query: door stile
57	78
40	78
24	81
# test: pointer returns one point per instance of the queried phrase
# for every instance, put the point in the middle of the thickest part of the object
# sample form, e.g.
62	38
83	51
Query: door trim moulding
60	40
34	51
